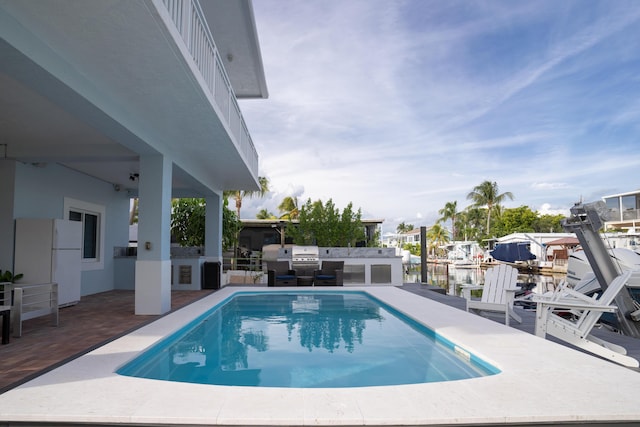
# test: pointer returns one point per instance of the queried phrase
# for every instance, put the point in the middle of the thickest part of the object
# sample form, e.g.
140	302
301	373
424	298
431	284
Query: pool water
305	339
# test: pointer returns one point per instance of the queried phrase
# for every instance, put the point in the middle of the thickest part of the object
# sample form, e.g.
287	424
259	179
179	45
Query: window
613	205
92	218
89	233
629	207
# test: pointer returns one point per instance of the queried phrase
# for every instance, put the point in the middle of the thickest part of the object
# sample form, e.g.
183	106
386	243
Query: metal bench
31	301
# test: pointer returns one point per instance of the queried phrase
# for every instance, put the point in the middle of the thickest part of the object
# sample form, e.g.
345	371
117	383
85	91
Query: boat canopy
512	252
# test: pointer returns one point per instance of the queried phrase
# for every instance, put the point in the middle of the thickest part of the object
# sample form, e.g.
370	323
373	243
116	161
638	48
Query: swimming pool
88	391
305	339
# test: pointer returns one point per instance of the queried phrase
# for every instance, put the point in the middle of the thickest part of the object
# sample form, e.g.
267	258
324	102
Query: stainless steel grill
305	259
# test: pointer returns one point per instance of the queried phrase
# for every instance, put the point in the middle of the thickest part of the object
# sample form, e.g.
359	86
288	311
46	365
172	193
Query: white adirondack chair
586	313
498	293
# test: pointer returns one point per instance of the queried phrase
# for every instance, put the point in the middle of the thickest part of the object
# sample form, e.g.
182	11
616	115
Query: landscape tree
324	225
548	223
133	212
188	223
487	194
450	211
231	226
348	234
515	220
413	248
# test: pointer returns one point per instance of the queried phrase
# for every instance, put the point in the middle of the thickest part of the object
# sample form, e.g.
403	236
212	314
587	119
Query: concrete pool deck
540	382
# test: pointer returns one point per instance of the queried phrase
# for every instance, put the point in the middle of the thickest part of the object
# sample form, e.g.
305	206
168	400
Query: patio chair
329	274
586	312
280	274
498	293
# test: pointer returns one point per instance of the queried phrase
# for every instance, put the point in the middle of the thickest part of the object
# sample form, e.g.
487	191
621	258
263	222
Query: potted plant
7	276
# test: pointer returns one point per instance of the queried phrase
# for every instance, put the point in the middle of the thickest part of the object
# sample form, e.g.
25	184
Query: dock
632	345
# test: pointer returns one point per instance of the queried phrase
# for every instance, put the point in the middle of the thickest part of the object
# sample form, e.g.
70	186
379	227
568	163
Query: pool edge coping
69	393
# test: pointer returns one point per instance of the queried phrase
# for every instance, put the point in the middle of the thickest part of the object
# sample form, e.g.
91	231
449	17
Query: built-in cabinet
186	269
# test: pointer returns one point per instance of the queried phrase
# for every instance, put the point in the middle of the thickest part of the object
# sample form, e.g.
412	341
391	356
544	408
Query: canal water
451	278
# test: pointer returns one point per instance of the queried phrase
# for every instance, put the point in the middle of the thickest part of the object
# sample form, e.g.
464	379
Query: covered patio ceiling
94	90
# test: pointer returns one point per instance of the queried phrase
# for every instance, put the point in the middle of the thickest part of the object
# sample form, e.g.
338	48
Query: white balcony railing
630	214
190	23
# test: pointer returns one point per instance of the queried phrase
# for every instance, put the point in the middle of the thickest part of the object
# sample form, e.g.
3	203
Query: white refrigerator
49	250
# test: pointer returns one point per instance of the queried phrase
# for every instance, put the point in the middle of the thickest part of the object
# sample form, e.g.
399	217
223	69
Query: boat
578	265
516	254
463	254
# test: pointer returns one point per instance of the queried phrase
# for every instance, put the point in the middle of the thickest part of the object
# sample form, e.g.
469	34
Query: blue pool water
305	339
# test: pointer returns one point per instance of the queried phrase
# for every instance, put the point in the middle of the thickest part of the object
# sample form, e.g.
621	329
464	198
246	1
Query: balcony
188	18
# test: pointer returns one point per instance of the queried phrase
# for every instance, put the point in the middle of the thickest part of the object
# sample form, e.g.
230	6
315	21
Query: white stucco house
105	100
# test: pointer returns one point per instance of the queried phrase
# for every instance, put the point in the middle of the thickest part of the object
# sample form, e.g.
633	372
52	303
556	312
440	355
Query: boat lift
586	221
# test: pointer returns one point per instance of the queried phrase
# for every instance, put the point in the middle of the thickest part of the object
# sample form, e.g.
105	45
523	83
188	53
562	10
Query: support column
213	228
423	255
7	197
153	266
213	238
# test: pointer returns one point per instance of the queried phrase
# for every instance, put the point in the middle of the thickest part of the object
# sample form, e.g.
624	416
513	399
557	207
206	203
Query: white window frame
93	209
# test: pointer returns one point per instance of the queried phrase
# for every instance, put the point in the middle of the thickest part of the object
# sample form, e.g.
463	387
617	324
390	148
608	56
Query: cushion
325	277
285	277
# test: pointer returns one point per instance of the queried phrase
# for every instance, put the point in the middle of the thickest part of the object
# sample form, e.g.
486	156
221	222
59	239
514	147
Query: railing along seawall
192	26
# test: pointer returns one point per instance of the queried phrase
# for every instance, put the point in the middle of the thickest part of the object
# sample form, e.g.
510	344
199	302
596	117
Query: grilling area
360	266
305	260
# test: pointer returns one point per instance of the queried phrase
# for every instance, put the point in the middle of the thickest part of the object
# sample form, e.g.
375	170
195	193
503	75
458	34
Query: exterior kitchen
187	269
191	270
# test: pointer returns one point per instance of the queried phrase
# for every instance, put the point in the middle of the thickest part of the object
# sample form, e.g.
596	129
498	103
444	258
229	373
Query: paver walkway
96	319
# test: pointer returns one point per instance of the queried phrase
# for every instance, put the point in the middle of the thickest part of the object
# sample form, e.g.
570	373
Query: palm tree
469	222
289	206
437	236
487	194
449	212
404	228
265	214
238	195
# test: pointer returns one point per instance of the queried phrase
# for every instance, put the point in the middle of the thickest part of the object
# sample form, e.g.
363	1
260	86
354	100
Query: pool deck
541	383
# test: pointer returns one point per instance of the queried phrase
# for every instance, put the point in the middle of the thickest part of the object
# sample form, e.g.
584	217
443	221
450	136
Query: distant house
411	237
397	240
623	211
104	101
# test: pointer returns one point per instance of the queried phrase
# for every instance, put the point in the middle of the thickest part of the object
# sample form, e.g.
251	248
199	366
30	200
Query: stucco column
7	197
213	228
153	266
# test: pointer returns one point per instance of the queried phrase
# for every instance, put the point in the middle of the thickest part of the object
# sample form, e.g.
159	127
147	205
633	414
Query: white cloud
546	209
548	185
404	106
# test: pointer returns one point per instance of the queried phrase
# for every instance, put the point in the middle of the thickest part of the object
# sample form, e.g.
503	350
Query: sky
402	106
